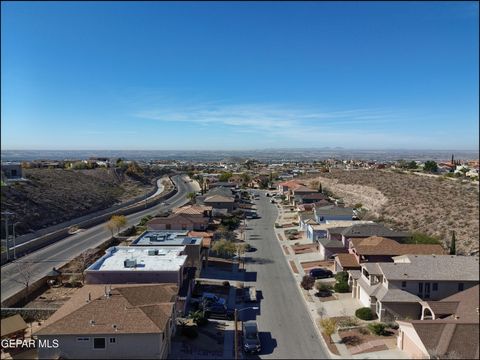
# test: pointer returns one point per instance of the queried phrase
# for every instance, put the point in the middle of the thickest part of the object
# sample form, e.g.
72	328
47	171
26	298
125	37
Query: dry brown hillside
431	205
52	196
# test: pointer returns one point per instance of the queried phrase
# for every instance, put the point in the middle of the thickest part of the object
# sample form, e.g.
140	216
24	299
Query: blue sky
239	75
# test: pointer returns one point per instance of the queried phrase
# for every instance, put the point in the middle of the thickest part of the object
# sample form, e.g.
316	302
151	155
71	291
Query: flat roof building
129	264
194	248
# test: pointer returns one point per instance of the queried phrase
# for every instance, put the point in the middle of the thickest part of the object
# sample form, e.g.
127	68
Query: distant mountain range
269	155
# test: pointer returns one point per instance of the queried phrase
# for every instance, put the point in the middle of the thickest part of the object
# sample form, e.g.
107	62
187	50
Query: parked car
218	310
212	298
251	340
319	273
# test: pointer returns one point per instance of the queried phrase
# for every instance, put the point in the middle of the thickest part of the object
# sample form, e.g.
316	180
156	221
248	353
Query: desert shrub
364	313
377	328
341	287
392	325
351	321
351	340
341	276
364	331
307	282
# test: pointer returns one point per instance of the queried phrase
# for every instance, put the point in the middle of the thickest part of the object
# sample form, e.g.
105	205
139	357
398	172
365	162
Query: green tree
453	245
191	196
412	165
225	176
224	247
430	166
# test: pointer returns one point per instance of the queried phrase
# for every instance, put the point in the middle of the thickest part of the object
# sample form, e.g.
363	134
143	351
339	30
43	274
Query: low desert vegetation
428	208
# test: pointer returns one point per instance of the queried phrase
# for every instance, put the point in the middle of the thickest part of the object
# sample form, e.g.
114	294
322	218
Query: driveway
285	327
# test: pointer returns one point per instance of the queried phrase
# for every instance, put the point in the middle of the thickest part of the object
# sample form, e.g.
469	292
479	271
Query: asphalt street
57	254
285	327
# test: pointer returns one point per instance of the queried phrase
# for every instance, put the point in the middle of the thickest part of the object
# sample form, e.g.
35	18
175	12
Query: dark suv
320	273
218	311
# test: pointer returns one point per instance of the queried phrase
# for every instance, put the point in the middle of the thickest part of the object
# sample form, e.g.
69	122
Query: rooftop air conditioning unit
152	252
130	263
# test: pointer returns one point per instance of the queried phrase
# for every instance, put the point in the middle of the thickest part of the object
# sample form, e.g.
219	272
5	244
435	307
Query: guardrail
55	236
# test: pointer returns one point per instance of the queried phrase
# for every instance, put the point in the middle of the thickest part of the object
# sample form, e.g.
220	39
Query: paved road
285	327
61	252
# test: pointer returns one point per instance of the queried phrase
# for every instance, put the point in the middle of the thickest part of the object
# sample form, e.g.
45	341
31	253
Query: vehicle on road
218	311
251	340
250	294
320	273
250	248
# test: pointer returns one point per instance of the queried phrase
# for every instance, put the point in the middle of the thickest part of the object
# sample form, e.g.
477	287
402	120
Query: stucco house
395	290
380	249
117	322
325	214
450	330
179	221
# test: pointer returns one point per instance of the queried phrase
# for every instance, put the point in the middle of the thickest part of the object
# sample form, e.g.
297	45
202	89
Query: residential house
329	213
226	184
298	192
194	245
379	249
450	331
13	327
11	171
194	209
118	322
309	198
304	219
138	264
179	221
285	187
395	290
364	230
317	231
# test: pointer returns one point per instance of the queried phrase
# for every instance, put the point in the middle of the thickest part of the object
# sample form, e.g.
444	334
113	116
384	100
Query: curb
332	355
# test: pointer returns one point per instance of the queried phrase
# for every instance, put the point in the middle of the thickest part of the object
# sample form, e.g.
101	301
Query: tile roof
432	267
302	189
377	245
13	324
347	260
464	304
219	198
181	218
457	340
329	244
192	209
396	295
129	309
366	230
333	210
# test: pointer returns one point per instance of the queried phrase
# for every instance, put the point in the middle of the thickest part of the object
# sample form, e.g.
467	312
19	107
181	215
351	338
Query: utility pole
7	214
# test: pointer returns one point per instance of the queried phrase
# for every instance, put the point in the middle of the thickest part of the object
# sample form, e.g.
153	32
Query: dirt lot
430	205
358	342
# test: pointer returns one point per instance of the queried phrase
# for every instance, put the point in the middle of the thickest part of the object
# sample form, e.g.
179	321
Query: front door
427	290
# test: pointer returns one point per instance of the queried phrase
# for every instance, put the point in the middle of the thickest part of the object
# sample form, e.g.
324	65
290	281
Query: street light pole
236	327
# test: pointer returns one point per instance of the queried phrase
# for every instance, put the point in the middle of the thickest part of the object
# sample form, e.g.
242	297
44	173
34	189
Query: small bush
341	287
364	331
341	276
307	282
377	328
392	325
364	313
351	321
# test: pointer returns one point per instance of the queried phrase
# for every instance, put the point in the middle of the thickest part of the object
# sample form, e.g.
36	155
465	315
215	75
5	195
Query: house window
435	287
99	343
404	284
420	289
83	339
113	340
460	286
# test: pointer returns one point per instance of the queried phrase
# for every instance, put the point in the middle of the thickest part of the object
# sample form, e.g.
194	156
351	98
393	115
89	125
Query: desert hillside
52	196
432	205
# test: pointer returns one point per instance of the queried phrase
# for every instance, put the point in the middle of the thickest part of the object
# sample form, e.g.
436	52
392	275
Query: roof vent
152	252
92	322
114	327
